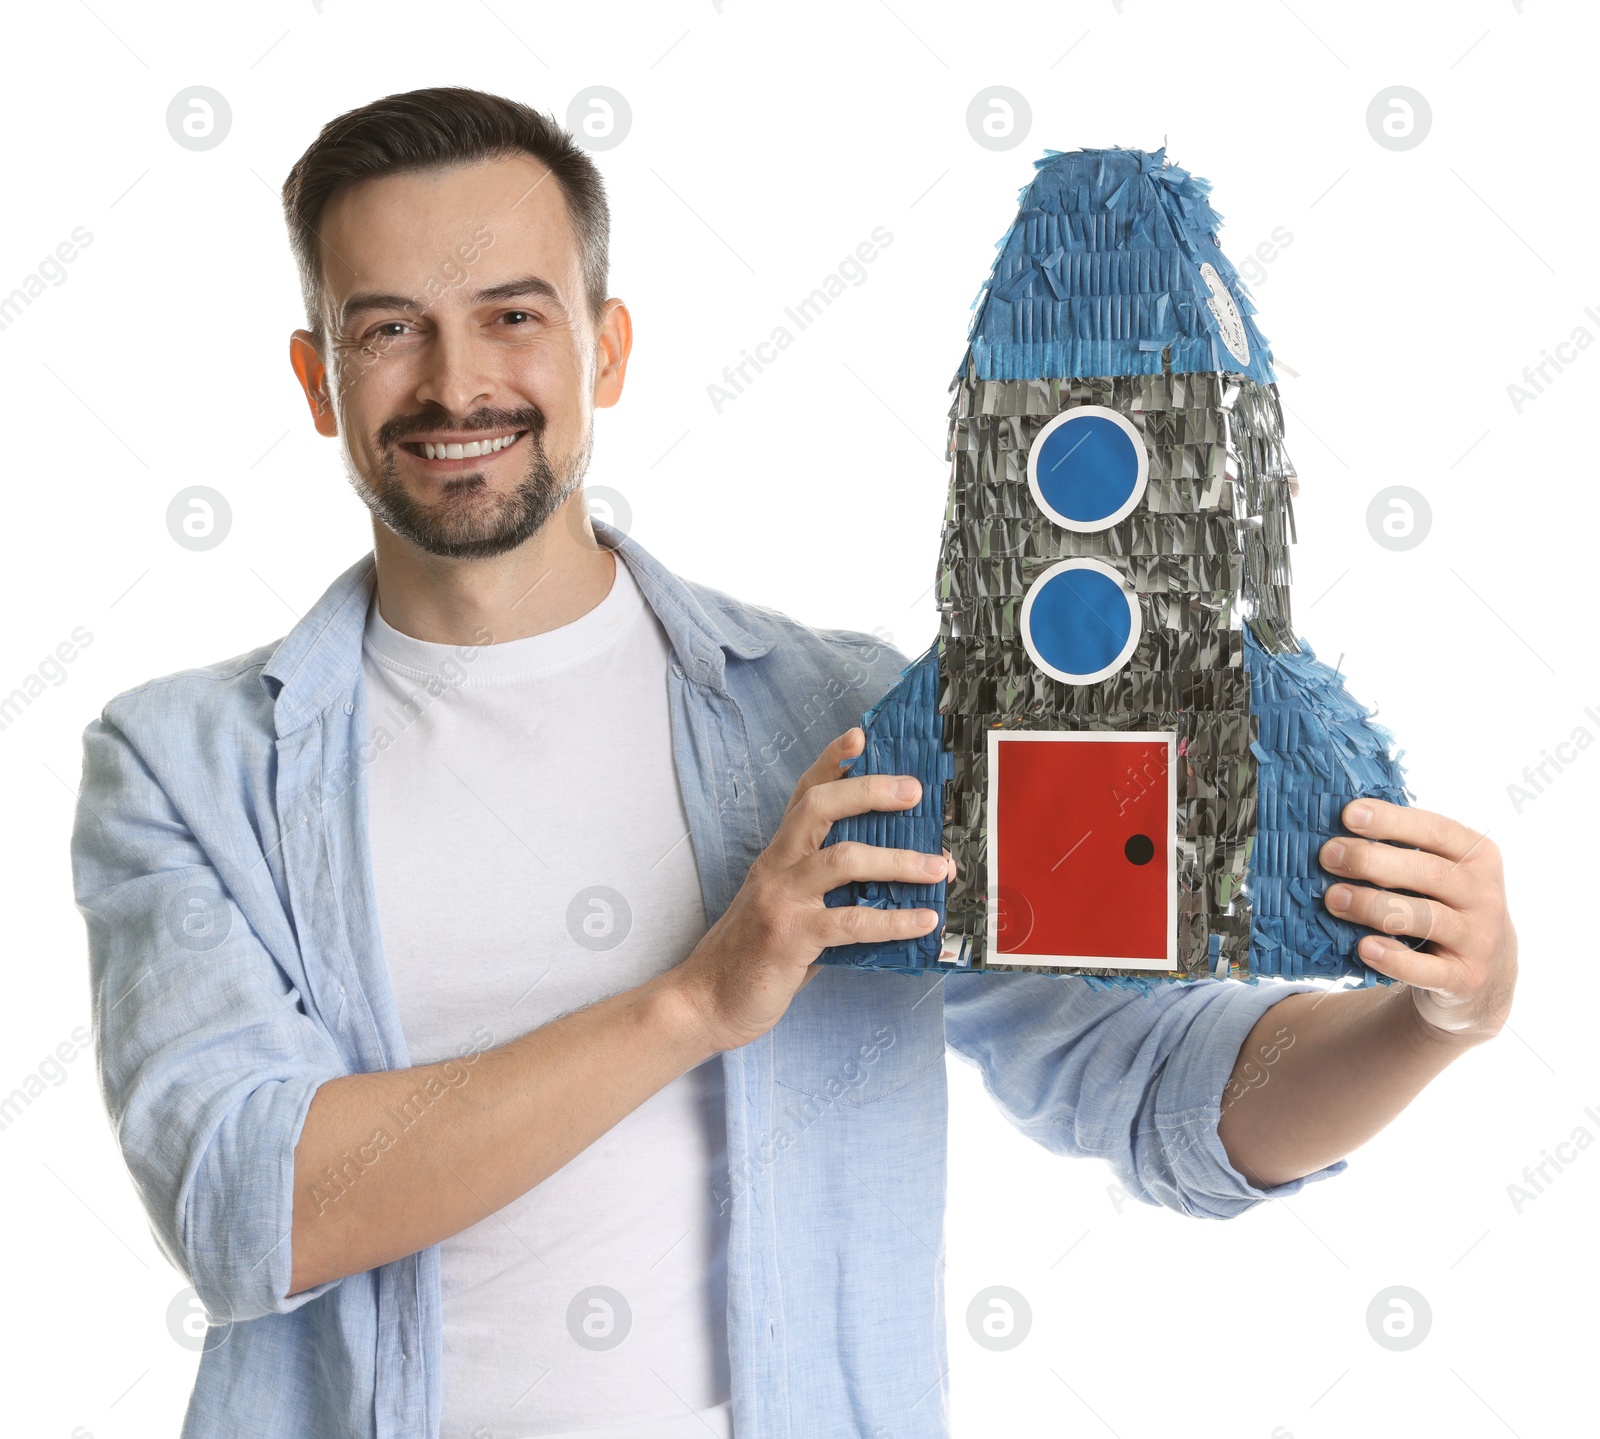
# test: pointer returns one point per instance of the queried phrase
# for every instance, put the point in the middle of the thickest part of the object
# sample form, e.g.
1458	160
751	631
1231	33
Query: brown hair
424	129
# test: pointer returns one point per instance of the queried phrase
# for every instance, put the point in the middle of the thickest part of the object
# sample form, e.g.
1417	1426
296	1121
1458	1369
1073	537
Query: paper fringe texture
904	736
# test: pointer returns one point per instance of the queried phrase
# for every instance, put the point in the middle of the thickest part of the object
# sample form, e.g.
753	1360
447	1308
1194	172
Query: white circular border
1140	480
1135	625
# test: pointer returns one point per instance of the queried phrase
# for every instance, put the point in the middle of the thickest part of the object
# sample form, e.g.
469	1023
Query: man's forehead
393	232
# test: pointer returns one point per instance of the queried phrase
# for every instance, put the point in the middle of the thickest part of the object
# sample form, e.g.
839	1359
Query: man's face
460	357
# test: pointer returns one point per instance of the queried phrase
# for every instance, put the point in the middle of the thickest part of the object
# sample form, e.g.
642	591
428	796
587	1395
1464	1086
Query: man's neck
551	579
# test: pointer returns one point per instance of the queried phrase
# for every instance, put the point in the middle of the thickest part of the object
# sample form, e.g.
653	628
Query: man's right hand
528	1105
741	977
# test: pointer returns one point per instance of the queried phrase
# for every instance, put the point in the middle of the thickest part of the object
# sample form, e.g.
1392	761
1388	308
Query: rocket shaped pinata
1131	756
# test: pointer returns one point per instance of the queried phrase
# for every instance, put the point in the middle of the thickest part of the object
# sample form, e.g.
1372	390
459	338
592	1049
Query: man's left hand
1462	979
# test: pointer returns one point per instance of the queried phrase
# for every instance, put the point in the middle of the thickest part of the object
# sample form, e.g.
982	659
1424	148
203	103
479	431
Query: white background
766	142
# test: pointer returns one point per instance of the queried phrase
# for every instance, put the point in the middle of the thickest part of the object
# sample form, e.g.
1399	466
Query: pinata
1131	755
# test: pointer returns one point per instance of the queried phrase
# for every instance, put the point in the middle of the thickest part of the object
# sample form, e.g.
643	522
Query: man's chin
451	531
461	542
469	520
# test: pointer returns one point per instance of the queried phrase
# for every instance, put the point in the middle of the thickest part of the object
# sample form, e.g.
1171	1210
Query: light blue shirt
221	863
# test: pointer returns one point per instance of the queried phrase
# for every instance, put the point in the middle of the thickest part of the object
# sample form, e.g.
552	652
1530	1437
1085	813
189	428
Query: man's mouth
447	448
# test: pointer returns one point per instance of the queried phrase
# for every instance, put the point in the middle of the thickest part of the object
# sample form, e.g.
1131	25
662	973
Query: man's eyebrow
518	289
526	286
366	300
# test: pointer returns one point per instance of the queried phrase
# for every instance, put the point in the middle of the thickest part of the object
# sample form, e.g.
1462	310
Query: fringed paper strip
1317	749
904	736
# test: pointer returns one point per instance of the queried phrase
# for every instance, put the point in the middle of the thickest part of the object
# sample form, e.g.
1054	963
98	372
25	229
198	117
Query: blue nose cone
1112	267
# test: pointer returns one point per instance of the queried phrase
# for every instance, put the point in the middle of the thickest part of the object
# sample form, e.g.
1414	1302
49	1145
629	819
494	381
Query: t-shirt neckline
525	658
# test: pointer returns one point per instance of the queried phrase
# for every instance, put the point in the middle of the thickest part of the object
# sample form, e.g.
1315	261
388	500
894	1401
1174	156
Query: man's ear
613	343
313	376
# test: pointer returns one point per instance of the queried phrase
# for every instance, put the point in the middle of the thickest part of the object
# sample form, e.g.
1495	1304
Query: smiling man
453	956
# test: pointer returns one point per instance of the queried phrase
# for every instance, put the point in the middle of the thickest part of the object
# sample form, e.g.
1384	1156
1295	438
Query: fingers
1405	824
851	860
1447	869
838	751
1396	914
1410	966
1390	867
812	812
859	795
862	924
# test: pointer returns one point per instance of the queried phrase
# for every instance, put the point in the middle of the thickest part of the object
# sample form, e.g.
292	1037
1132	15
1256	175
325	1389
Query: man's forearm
529	1106
1320	1074
469	1146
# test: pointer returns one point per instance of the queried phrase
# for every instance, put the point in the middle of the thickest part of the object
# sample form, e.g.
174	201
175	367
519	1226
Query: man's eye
378	334
518	317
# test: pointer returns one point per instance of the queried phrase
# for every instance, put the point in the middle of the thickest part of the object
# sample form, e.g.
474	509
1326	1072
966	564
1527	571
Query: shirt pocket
855	1036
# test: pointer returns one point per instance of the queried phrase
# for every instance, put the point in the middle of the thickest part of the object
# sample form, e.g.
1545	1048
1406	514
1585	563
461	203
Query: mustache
422	427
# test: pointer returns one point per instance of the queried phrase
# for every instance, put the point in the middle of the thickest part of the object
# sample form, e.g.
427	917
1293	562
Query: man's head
452	249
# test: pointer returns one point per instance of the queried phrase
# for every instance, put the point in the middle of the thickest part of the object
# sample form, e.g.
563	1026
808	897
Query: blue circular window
1088	468
1080	622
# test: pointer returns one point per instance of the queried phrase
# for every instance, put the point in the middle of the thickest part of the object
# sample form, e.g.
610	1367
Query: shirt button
349	708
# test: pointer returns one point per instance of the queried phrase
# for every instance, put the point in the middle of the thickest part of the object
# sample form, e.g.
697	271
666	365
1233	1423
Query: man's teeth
471	450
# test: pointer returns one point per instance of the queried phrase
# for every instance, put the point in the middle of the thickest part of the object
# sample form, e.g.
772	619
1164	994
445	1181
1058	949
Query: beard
470	520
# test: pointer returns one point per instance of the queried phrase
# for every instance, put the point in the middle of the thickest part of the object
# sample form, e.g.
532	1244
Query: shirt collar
319	660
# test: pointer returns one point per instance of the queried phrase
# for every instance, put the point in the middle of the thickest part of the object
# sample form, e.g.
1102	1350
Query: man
453	957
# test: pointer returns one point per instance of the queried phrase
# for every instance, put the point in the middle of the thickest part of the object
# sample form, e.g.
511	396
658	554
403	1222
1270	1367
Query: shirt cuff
239	1225
1190	1102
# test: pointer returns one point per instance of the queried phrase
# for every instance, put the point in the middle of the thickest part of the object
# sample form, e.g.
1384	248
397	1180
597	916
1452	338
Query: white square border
996	738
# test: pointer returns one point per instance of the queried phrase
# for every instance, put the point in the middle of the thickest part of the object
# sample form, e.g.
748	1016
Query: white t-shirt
531	855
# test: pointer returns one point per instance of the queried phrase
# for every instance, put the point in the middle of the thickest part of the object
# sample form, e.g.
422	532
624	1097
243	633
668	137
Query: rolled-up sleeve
207	1062
1134	1079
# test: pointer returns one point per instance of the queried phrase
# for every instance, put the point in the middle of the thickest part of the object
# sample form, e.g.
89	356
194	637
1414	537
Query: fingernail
906	789
1333	855
930	917
1358	815
935	864
1371	947
1339	897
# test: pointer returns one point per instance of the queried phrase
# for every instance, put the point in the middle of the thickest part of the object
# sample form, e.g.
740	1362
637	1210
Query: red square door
1083	848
